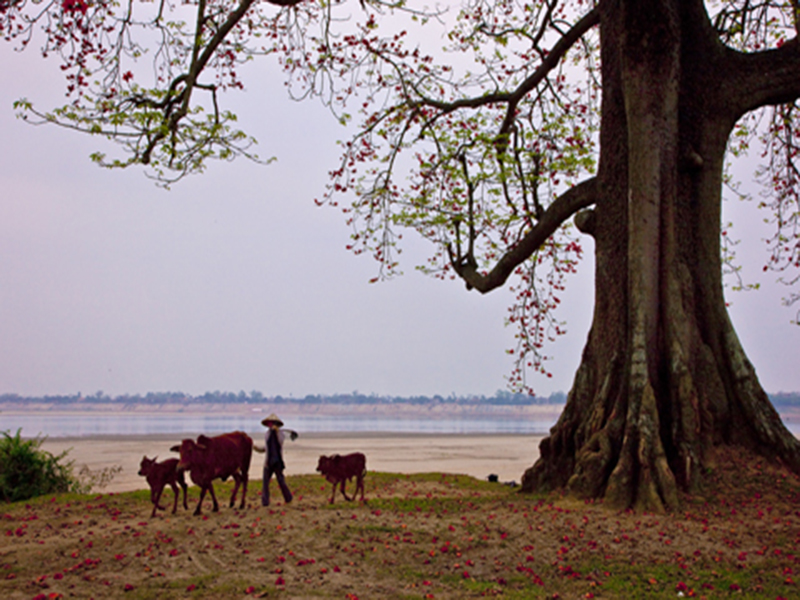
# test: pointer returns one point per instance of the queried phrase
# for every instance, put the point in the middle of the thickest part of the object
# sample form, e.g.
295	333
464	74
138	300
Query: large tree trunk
663	379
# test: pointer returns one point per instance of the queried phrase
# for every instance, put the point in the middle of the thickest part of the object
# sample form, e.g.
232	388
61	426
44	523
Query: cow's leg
157	500
213	497
198	510
360	485
154	497
236	481
346	497
177	493
333	493
183	485
154	494
244	489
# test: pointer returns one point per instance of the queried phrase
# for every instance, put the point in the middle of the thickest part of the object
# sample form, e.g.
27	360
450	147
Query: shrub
27	471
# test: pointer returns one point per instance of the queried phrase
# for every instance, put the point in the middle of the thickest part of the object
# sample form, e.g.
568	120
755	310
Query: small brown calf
340	469
160	474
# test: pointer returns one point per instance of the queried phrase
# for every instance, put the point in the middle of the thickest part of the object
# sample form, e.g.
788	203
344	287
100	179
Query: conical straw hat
273	418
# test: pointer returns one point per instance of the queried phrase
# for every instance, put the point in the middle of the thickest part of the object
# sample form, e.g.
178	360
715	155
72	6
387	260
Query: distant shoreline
284	409
790	415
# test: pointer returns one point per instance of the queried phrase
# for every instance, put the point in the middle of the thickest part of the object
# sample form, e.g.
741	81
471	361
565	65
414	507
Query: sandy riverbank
478	455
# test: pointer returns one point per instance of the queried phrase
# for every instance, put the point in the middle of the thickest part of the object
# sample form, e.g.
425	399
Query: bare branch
579	197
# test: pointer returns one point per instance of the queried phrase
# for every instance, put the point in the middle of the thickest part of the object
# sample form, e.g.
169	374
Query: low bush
27	471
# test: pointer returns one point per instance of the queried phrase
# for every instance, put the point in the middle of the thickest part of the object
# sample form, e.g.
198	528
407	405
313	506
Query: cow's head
189	451
322	465
146	465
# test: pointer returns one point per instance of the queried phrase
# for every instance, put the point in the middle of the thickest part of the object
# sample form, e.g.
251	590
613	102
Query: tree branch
551	60
766	78
198	63
579	197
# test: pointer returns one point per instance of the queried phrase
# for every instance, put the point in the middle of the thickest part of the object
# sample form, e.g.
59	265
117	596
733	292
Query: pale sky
235	280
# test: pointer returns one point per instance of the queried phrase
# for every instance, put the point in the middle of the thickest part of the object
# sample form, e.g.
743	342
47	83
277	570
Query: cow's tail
259	449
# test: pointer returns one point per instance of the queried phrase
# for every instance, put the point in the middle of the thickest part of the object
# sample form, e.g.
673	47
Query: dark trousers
268	472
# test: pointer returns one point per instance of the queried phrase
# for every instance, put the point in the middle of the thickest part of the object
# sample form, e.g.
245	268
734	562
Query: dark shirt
274	452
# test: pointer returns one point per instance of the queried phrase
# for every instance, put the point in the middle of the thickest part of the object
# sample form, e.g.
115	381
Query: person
273	462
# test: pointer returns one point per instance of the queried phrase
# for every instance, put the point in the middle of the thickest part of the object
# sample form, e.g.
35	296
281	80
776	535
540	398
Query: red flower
75	6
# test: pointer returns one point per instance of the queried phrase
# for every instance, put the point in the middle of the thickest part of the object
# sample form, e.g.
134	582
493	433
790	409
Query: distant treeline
781	400
501	398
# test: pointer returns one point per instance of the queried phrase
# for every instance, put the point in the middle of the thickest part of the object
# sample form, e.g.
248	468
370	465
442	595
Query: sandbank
507	456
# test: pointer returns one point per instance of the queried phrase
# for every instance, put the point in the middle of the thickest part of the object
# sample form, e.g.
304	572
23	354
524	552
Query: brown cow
340	469
222	456
159	474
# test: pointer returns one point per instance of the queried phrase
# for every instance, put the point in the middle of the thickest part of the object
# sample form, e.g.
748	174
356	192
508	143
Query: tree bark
663	379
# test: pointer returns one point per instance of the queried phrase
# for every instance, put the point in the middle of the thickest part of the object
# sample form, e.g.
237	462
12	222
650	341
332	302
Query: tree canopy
476	140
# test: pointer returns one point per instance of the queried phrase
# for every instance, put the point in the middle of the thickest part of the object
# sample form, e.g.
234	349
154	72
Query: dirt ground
417	536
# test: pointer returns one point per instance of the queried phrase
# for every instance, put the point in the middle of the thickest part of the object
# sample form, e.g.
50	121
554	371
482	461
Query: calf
340	469
222	456
159	474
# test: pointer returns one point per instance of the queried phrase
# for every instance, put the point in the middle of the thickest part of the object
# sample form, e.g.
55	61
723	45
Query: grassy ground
419	536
